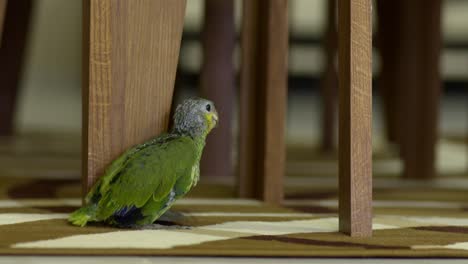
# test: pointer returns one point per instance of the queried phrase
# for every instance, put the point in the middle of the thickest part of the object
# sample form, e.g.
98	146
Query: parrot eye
208	107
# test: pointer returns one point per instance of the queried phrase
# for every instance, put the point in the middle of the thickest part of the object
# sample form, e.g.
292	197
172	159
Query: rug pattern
411	219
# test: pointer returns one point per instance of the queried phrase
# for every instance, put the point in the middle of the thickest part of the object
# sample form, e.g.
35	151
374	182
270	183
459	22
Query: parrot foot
165	227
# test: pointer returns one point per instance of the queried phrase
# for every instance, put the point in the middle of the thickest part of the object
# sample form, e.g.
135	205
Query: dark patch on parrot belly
127	216
115	178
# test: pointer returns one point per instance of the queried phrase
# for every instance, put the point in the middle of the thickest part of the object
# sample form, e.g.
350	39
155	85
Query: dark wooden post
263	96
390	84
329	84
16	20
3	5
217	84
355	117
419	77
130	54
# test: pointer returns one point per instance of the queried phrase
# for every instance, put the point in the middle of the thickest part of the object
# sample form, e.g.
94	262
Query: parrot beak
215	119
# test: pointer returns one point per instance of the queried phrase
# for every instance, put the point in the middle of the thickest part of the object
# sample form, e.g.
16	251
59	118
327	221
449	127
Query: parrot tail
83	215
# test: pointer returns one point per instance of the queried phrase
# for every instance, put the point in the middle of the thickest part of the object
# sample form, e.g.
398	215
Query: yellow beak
215	118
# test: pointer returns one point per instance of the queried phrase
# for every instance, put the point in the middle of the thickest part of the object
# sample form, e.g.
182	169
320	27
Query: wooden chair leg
329	85
17	16
217	84
131	51
263	96
420	44
355	117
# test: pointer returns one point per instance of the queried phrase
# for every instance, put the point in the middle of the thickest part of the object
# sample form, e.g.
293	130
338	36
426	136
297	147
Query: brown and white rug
412	219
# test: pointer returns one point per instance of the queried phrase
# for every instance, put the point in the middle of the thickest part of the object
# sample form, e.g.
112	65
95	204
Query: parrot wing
102	185
144	172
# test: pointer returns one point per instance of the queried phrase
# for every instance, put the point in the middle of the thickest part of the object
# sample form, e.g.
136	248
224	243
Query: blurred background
40	162
49	100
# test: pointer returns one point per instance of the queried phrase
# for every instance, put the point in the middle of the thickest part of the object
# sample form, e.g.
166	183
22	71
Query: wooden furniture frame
15	17
217	83
130	54
419	82
263	107
263	95
411	80
329	82
409	41
130	57
355	116
130	51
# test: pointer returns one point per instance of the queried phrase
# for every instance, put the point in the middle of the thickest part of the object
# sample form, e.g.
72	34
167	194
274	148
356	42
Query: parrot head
195	117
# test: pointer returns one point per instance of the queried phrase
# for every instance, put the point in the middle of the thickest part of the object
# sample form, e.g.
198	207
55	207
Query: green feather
143	177
151	176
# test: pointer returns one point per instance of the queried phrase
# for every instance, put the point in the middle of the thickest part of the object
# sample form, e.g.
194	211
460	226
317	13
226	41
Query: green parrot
145	181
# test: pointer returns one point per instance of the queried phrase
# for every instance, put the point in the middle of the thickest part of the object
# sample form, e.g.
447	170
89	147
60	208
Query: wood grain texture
16	25
329	83
263	98
420	80
131	51
355	117
217	84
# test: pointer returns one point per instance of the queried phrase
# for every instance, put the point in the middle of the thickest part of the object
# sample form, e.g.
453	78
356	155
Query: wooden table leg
329	85
419	50
217	84
263	98
131	51
355	117
14	33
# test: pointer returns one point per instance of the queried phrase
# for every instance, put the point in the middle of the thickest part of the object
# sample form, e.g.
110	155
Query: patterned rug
39	187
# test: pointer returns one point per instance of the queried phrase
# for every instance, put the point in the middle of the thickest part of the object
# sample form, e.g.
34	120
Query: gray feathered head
195	117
